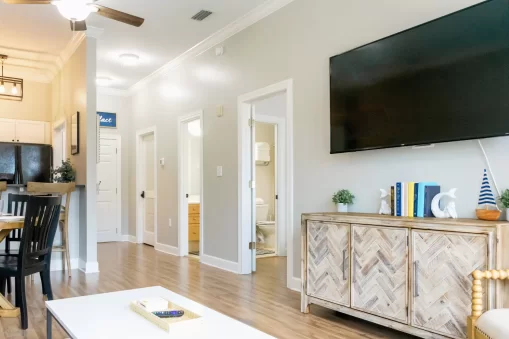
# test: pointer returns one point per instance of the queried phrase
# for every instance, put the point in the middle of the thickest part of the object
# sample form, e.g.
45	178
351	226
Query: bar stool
67	188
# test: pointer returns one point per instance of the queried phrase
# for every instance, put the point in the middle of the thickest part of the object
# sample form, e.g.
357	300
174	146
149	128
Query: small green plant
64	173
504	199
343	197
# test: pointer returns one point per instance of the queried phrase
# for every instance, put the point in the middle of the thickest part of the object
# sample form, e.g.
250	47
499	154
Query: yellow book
411	186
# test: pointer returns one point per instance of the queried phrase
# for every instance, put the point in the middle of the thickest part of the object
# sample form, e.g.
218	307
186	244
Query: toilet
267	227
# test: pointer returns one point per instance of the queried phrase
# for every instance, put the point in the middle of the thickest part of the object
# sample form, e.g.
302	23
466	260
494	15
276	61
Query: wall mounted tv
446	80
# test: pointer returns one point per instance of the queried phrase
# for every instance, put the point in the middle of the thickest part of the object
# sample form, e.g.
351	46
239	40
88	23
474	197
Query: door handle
344	263
416	278
142	194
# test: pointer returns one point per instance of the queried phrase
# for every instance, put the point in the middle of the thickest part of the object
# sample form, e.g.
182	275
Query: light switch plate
219	171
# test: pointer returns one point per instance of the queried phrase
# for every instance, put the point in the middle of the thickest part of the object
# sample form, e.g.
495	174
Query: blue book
429	193
420	197
416	198
398	199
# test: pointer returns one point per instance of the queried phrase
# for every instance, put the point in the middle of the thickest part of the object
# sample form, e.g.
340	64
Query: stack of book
413	199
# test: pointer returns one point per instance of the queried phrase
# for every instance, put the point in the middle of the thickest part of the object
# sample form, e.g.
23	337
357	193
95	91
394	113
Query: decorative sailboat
487	209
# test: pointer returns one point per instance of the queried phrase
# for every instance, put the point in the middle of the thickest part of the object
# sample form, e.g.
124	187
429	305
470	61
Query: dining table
7	224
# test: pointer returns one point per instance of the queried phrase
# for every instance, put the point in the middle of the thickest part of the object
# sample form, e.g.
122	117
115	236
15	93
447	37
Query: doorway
109	189
190	169
249	116
59	143
146	183
266	193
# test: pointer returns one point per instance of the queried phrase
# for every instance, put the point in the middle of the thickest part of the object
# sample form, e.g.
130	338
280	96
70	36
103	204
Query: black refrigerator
21	163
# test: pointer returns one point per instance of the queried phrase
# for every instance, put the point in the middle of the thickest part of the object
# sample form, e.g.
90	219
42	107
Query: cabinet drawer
194	219
194	208
442	279
380	271
194	233
329	262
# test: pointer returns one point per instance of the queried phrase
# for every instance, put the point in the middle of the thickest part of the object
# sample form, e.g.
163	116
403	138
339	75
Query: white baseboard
226	265
294	284
56	264
132	238
88	267
167	249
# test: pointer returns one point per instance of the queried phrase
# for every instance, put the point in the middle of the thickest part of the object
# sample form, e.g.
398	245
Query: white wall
266	175
296	42
122	106
36	103
194	165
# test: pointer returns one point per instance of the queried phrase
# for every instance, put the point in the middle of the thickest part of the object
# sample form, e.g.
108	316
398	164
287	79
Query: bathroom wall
265	175
194	165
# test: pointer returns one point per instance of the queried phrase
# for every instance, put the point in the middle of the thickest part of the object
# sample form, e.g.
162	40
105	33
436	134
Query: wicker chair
492	324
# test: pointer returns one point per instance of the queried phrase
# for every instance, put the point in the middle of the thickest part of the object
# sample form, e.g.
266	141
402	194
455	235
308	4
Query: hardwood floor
260	300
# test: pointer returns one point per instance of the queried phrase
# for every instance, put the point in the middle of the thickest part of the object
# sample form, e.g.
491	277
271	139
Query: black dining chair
41	222
16	205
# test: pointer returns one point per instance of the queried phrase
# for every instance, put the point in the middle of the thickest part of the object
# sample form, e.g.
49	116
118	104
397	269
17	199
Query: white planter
343	208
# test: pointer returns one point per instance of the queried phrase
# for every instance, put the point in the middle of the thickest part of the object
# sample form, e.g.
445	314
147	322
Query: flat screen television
446	80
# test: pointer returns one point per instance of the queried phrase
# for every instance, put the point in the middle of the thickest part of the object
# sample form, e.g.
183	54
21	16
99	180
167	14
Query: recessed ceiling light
129	59
103	81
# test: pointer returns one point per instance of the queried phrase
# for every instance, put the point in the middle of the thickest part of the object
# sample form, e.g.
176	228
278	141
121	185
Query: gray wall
296	42
121	106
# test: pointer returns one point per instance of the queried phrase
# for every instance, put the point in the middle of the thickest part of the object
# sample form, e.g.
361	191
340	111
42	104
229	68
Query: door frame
183	222
244	163
118	138
280	172
139	171
58	125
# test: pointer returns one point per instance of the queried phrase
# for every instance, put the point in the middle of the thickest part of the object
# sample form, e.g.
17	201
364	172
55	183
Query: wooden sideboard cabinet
410	274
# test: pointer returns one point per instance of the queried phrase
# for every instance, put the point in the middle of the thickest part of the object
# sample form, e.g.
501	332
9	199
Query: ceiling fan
78	10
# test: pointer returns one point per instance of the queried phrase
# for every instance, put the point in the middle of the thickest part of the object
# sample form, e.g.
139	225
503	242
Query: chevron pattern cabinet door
443	263
380	271
329	262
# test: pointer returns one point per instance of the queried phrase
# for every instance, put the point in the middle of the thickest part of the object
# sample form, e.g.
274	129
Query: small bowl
489	215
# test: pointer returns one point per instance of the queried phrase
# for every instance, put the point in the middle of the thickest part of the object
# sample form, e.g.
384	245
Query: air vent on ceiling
201	15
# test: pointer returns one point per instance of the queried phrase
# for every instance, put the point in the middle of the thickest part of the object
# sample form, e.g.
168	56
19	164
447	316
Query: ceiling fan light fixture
75	10
129	59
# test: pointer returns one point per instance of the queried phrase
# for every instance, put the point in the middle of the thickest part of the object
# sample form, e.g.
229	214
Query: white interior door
253	190
148	187
108	223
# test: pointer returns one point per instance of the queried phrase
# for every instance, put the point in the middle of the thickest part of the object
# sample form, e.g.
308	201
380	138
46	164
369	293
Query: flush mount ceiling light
129	59
10	88
103	81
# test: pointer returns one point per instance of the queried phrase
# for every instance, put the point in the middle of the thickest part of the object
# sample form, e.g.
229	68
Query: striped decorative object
486	196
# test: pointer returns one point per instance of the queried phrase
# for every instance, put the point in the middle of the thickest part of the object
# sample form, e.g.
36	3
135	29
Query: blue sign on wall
107	119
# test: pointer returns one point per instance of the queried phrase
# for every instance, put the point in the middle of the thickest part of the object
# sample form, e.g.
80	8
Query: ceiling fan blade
78	26
119	16
28	2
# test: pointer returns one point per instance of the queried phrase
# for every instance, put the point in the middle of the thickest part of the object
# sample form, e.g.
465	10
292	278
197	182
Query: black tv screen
446	80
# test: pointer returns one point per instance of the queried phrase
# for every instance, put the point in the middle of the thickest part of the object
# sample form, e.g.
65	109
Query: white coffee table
109	316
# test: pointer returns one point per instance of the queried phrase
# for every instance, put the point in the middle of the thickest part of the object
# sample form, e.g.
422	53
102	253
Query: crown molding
113	91
257	14
70	48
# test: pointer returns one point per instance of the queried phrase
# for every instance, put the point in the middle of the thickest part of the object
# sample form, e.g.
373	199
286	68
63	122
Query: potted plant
64	173
343	198
504	199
